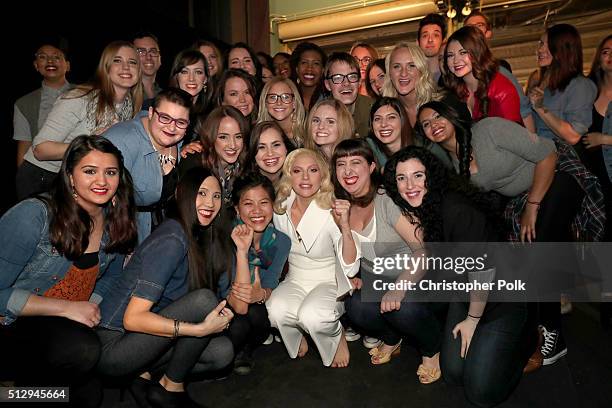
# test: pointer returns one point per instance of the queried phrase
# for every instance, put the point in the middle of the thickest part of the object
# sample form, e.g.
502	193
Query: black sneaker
244	362
554	346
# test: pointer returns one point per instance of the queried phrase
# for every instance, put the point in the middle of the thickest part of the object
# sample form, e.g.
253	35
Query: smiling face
124	69
192	78
238	95
387	126
241	59
166	135
150	64
271	152
364	58
543	54
310	68
208	200
403	71
50	62
410	177
211	58
353	173
431	39
282	66
605	57
458	59
438	129
305	176
324	126
280	110
255	208
229	141
377	79
347	91
95	180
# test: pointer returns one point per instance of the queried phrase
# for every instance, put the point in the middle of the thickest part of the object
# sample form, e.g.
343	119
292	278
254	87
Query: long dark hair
355	147
258	129
484	66
71	225
248	79
565	47
406	133
203	103
597	73
380	63
463	131
208	248
439	181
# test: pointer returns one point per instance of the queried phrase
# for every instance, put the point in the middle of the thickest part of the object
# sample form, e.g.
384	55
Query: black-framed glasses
153	52
284	97
339	78
166	119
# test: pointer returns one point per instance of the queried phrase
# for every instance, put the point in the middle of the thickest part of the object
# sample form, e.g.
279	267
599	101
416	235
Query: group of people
163	234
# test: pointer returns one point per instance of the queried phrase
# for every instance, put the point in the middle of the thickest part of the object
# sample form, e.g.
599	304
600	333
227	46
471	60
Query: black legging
417	321
52	351
134	353
251	328
497	354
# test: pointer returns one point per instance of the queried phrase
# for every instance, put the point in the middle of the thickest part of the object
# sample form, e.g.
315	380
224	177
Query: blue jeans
497	354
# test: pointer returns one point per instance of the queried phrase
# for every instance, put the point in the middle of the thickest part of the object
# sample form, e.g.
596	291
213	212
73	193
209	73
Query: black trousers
251	328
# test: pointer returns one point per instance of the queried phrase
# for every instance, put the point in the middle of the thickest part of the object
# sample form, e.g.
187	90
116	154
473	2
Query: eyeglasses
44	57
153	52
364	60
285	98
166	119
339	78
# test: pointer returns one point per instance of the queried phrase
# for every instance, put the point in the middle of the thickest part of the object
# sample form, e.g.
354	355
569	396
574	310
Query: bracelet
474	317
263	300
537	203
176	328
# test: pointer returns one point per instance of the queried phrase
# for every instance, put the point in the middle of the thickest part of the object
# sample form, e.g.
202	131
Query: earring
114	201
74	193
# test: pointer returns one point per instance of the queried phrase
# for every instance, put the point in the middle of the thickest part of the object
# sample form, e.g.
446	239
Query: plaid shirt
588	225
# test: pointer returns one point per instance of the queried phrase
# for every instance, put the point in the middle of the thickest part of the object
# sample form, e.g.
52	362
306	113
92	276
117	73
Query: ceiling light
467	9
451	13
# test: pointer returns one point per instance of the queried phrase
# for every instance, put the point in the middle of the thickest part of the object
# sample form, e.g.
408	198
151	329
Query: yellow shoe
428	375
379	357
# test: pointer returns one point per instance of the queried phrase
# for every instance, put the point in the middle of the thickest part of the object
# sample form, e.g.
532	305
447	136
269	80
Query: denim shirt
141	160
29	265
607	149
157	271
573	105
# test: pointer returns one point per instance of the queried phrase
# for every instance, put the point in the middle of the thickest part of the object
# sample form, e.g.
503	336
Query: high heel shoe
380	357
428	375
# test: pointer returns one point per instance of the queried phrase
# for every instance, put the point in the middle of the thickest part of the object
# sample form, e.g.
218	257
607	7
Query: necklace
164	159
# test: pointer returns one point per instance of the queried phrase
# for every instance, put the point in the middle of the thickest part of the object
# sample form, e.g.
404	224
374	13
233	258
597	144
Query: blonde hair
425	89
323	197
297	117
345	123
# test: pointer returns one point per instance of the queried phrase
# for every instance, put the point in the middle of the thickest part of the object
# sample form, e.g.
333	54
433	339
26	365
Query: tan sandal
379	357
428	375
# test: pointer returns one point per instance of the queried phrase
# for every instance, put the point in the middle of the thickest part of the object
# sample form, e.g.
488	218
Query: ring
227	326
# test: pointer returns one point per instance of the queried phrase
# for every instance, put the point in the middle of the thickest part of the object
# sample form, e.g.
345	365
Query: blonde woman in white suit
322	255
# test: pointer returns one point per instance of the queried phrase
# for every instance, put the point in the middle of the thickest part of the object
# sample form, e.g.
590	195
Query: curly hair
323	197
439	182
484	66
462	125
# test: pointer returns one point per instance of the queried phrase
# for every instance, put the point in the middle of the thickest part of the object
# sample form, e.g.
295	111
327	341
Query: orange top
77	285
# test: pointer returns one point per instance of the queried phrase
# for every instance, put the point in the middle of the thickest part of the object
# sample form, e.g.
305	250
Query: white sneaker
278	339
371	342
350	334
269	340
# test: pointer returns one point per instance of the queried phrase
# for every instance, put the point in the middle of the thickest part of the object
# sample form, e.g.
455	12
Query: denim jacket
607	149
29	265
157	271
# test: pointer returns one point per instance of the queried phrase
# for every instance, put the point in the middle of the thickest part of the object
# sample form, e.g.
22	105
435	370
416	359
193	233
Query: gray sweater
506	155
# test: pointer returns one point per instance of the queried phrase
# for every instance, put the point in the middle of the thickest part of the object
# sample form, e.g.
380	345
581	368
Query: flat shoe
379	357
428	375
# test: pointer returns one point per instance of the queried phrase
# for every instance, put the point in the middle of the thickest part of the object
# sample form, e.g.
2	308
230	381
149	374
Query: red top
504	101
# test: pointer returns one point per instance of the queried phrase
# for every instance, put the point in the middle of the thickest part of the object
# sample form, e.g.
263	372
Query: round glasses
364	60
166	119
285	98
